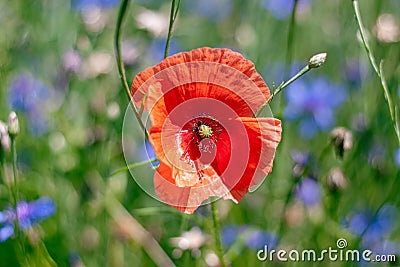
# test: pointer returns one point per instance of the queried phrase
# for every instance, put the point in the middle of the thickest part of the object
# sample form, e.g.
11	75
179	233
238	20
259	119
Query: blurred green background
58	72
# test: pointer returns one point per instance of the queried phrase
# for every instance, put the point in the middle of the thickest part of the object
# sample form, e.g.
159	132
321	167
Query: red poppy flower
202	107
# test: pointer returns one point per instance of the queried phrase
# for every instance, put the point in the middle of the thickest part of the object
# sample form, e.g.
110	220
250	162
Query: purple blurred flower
253	238
229	235
257	239
301	161
72	61
211	9
373	228
27	94
309	191
147	153
6	231
74	259
377	156
149	1
355	72
314	103
386	247
281	9
28	214
300	158
84	5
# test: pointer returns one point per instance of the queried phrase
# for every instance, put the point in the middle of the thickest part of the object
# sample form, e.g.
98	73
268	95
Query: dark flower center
206	128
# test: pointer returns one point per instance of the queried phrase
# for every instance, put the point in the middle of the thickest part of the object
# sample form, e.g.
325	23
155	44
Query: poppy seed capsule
342	140
336	180
13	124
5	140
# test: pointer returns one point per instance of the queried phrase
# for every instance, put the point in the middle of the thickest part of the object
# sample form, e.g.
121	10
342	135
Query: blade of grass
289	51
378	70
172	17
120	63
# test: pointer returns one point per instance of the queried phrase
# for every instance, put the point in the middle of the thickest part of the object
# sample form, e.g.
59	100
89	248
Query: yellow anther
205	131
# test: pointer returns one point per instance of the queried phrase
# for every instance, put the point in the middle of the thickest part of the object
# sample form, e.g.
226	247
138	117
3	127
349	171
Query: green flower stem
136	231
289	50
133	229
120	64
14	186
15	193
172	17
283	86
132	166
14	167
378	70
288	197
217	237
5	177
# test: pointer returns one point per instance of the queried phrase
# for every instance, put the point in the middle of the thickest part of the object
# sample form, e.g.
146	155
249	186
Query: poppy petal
250	162
184	190
205	72
187	199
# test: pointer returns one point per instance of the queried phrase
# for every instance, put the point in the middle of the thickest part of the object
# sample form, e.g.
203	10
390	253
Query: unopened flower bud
6	143
13	124
317	60
3	129
5	140
336	180
342	140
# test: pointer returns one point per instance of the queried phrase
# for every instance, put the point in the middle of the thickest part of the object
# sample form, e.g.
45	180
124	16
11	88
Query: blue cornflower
27	94
314	103
257	239
374	229
309	191
74	259
281	9
253	238
355	72
229	234
84	5
28	214
211	9
302	160
386	247
147	153
376	156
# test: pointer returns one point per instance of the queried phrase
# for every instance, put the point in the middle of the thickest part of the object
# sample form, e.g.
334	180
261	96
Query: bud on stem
13	125
314	62
5	141
317	60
